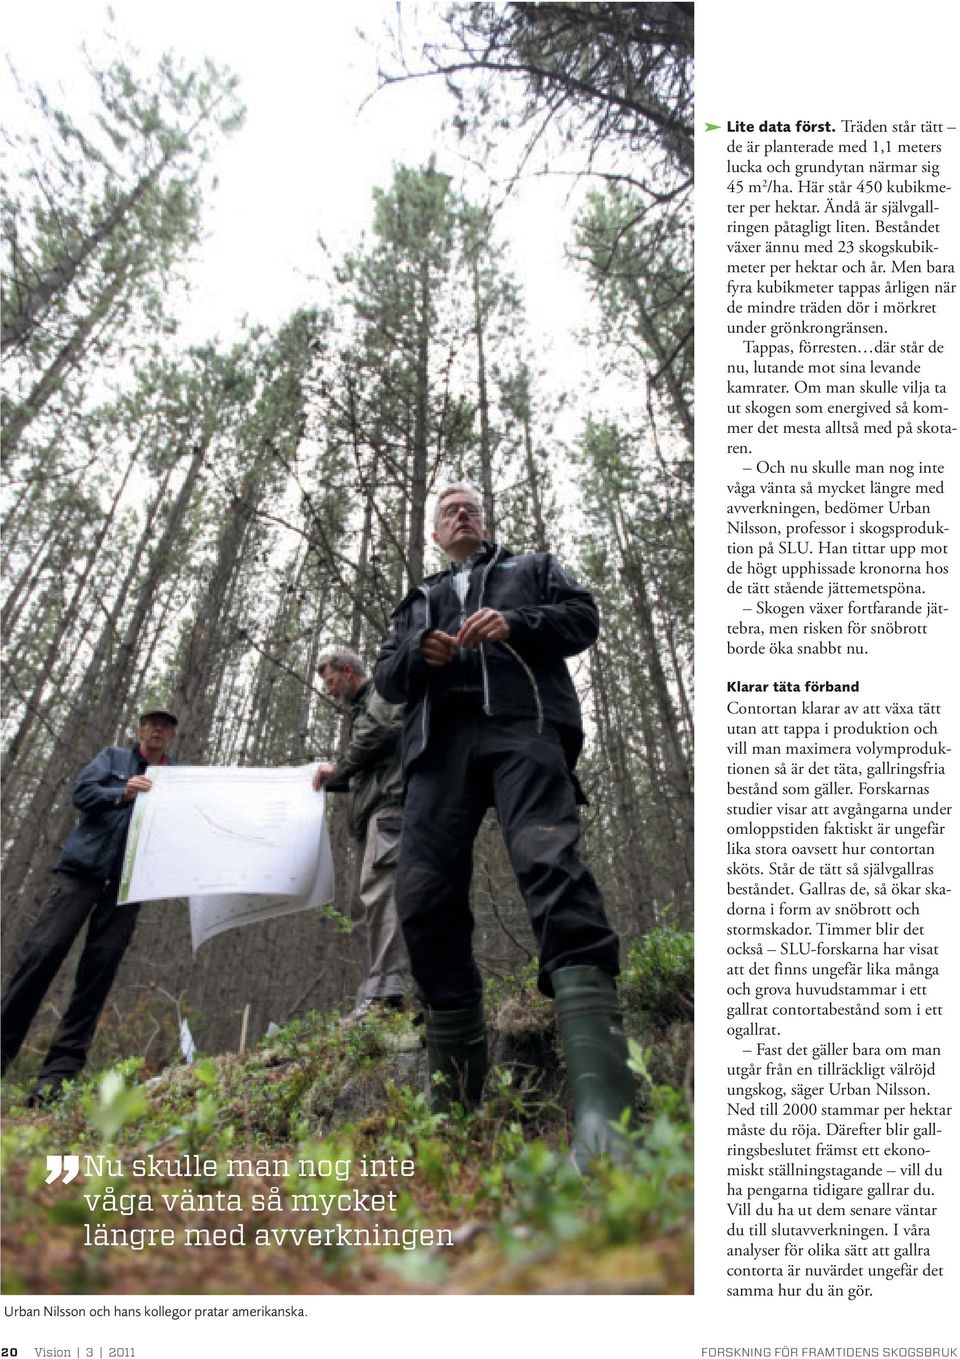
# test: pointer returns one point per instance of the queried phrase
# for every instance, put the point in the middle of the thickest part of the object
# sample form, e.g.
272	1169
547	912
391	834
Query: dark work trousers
473	762
70	901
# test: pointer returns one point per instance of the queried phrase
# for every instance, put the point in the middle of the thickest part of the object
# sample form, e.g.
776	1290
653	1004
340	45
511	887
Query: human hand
138	784
322	774
486	625
438	648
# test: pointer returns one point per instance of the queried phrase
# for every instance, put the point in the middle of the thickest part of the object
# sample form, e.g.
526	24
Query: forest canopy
193	523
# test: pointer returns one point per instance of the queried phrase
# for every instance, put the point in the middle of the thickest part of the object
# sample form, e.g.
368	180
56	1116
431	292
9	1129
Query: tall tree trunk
68	358
304	749
486	451
66	621
666	371
541	539
50	547
678	679
86	729
363	572
674	758
101	723
193	695
31	306
418	480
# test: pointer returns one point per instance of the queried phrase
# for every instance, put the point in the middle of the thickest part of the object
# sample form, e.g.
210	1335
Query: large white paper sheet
210	915
242	844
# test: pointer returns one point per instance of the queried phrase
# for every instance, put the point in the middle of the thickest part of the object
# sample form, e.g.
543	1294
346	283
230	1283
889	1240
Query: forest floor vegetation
312	1163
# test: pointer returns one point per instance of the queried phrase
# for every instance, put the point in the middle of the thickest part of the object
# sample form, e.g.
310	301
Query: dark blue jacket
550	617
97	842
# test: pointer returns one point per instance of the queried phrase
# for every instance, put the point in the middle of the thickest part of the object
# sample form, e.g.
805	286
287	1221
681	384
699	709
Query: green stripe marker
133	835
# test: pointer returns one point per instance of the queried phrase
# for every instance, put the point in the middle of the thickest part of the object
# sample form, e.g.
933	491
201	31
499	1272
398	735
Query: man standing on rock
86	881
369	770
477	653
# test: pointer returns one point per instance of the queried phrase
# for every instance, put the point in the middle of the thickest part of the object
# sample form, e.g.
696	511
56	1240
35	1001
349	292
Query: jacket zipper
487	705
426	695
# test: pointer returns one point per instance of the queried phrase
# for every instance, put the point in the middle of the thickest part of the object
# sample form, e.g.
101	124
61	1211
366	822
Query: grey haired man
369	771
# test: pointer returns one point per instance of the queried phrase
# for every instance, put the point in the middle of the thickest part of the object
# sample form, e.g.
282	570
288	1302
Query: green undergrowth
658	977
500	1179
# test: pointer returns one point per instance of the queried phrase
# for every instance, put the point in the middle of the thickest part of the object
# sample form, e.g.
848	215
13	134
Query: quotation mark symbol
67	1166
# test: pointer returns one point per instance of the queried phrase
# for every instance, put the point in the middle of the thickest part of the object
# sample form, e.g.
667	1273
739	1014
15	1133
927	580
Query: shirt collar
481	554
138	748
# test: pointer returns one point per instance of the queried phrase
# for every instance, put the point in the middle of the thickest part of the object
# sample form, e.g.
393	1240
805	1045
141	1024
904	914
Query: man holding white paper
86	880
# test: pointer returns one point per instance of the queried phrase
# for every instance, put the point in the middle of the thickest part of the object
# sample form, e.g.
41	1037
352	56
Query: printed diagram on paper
242	844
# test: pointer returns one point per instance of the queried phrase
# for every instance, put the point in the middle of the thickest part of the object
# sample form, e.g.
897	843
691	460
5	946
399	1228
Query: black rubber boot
456	1050
595	1048
46	1091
